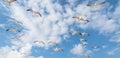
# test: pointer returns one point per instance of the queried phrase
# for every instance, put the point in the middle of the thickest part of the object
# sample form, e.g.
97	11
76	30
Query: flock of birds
56	48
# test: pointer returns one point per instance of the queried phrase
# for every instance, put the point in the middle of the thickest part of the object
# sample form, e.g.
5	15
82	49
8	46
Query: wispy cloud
2	25
114	51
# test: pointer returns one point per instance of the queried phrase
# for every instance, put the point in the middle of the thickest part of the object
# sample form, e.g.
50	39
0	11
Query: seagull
52	42
13	29
19	22
34	12
80	18
19	36
79	33
84	33
57	49
95	47
96	4
39	42
75	32
81	39
84	43
9	1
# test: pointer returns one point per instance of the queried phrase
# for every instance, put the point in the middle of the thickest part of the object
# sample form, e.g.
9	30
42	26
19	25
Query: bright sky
49	35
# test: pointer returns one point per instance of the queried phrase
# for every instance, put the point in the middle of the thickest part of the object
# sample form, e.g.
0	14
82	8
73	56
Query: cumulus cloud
13	52
80	50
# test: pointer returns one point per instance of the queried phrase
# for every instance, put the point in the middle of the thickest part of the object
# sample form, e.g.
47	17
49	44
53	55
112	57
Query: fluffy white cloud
15	52
80	50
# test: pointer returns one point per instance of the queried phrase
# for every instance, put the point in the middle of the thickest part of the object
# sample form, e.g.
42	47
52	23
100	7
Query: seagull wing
13	29
100	3
39	14
75	17
16	21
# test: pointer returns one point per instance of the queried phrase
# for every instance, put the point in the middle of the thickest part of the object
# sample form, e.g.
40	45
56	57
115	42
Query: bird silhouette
13	29
34	12
96	4
80	18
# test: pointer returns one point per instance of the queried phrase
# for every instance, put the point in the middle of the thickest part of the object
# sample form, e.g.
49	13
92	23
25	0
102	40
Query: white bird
57	49
13	29
34	12
84	43
84	33
19	36
95	47
9	1
39	42
80	18
81	39
79	33
75	32
96	4
19	22
52	42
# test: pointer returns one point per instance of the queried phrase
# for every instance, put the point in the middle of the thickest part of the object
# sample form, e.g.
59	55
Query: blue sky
55	25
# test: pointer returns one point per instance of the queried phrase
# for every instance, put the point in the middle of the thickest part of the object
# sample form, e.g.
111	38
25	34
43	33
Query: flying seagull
34	12
9	1
79	33
19	36
13	29
80	18
19	22
84	33
82	40
52	42
39	42
57	49
75	32
95	47
96	4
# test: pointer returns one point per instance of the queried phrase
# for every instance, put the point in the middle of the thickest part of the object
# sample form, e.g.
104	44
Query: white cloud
114	51
2	25
15	52
115	38
80	50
